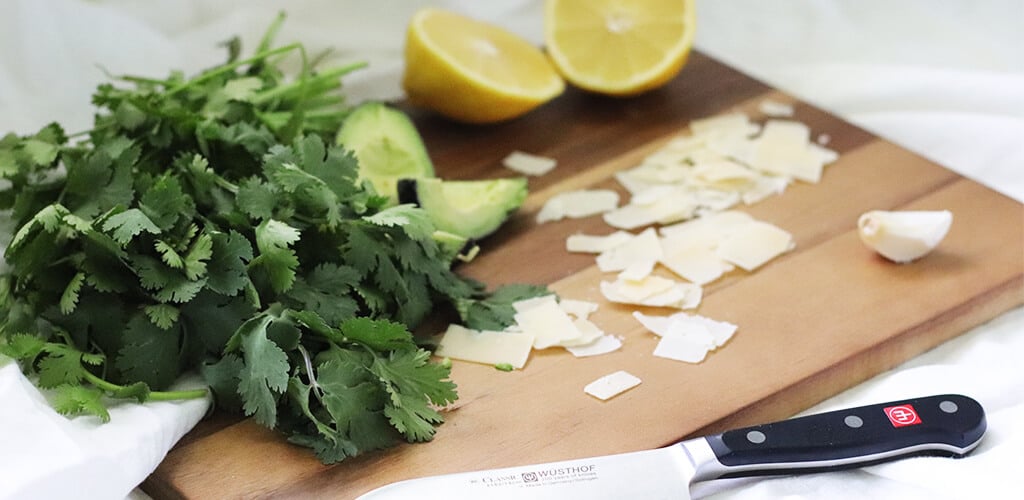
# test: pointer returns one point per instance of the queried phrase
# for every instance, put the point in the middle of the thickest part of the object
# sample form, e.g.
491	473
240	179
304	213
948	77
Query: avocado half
387	146
472	209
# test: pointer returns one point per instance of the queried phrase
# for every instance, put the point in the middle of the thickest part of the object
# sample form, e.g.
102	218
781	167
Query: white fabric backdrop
942	78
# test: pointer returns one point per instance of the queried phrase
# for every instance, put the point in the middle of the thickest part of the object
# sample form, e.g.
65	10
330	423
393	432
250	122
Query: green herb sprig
208	224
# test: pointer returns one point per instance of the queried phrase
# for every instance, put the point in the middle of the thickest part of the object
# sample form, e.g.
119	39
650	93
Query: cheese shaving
584	243
640	248
548	323
603	345
686	337
653	291
580	309
612	385
751	245
578	204
485	347
529	164
771	107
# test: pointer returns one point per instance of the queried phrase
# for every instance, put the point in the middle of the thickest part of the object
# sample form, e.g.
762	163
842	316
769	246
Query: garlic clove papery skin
904	236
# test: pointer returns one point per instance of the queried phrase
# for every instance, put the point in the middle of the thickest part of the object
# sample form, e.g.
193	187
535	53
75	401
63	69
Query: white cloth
944	79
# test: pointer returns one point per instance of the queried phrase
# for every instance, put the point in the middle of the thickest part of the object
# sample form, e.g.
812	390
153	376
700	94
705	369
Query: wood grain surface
813	322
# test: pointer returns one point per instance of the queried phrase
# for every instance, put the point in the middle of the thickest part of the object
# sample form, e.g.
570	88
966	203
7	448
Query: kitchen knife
948	425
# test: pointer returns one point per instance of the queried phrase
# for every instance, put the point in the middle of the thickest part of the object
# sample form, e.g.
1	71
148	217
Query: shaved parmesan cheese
642	247
731	124
714	200
584	243
653	291
527	304
581	309
612	385
724	173
686	346
603	345
548	324
686	337
528	164
578	204
707	229
766	185
634	292
631	217
657	205
772	107
485	347
739	148
633	182
751	245
680	296
824	154
782	147
589	332
638	270
698	264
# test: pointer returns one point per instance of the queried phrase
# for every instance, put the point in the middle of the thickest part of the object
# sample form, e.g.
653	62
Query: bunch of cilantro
209	224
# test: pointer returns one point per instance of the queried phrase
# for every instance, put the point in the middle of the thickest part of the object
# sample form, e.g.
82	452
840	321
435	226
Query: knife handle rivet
948	406
756	437
853	421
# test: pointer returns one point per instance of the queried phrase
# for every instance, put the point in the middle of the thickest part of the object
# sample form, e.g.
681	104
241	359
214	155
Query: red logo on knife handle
902	415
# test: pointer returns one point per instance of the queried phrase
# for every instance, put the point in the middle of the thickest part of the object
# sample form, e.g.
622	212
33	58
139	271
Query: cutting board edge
875	360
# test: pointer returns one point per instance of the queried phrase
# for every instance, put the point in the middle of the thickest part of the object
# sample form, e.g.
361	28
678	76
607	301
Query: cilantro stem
153	396
227	68
327	78
143	79
309	370
271	33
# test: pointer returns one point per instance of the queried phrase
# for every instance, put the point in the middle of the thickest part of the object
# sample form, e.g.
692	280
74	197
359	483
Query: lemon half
472	71
619	47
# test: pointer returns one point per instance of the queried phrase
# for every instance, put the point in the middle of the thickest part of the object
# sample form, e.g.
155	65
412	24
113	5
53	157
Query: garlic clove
903	236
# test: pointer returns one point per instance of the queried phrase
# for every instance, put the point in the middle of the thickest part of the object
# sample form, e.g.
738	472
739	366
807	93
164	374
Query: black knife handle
950	425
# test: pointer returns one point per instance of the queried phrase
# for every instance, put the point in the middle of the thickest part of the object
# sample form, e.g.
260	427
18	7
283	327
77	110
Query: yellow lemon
473	71
619	47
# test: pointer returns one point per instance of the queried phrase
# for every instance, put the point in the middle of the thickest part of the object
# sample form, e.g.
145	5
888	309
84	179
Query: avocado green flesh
387	146
473	209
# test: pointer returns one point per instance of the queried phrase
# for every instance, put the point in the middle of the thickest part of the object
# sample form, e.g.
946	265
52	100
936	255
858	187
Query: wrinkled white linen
943	79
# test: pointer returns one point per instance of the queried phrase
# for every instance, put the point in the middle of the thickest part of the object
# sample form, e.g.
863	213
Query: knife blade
946	425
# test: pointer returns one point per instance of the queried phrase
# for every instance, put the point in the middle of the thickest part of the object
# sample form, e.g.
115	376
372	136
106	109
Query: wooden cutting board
813	322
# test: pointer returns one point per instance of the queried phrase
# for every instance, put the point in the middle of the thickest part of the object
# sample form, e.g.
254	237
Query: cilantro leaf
198	254
412	219
326	291
257	199
379	335
274	239
128	224
69	399
413	385
264	376
355	403
227	266
69	299
165	202
61	365
223	377
22	346
151	354
163	316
